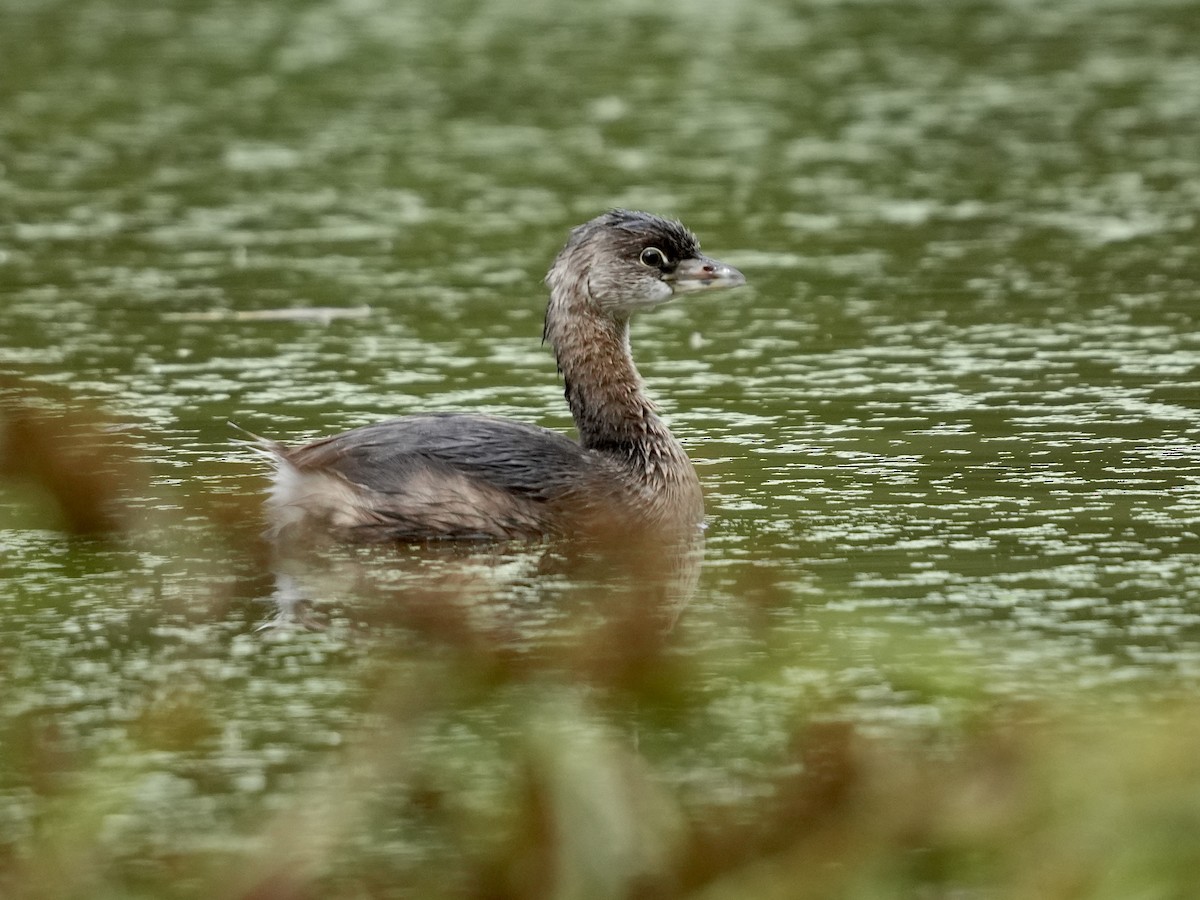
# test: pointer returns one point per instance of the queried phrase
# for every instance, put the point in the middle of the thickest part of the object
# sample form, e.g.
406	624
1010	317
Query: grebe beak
700	273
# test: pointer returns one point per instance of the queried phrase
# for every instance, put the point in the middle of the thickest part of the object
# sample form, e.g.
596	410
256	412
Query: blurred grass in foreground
1022	803
586	764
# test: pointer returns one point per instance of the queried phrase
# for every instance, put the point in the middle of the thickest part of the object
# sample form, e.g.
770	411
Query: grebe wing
513	456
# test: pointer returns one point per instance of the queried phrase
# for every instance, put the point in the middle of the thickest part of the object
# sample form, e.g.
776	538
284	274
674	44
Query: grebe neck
603	388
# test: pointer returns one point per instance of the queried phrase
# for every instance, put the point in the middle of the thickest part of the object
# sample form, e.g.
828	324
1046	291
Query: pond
949	434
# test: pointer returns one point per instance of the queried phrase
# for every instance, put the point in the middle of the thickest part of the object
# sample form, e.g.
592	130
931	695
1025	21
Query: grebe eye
653	257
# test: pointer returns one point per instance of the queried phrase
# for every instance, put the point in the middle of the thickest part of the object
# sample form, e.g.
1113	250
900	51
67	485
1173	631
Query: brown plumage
464	476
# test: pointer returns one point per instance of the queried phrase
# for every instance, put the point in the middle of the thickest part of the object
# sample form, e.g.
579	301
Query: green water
949	436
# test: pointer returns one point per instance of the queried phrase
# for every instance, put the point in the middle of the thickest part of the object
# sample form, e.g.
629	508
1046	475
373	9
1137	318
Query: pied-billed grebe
453	475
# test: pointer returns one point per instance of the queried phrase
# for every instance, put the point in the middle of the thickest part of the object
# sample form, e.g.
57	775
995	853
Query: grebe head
625	261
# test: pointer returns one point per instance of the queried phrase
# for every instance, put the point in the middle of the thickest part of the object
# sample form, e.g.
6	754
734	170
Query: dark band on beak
701	273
